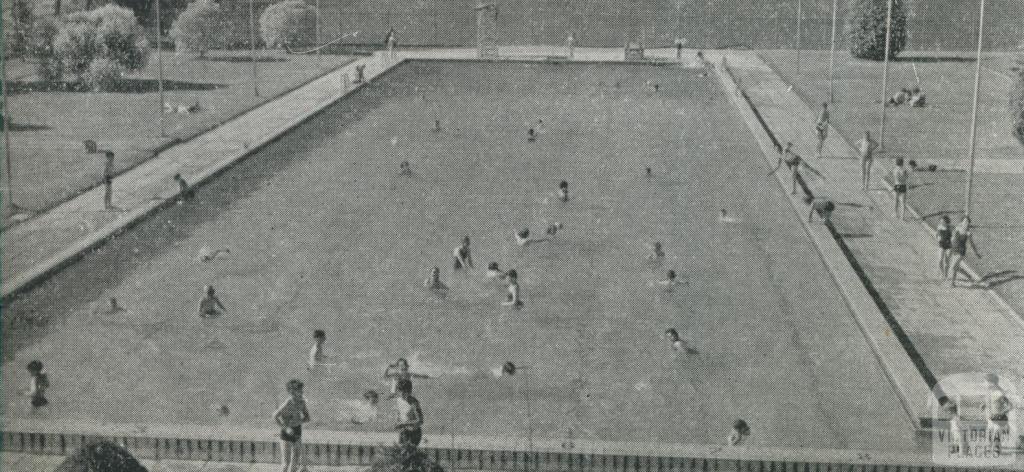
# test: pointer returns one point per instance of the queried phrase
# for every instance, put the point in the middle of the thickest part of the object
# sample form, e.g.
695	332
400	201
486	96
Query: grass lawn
49	162
325	234
938	132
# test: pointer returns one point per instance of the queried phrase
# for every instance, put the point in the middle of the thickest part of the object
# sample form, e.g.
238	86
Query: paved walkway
954	329
18	462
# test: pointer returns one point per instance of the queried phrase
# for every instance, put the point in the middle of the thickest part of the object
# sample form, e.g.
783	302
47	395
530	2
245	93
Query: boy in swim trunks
290	416
900	177
463	258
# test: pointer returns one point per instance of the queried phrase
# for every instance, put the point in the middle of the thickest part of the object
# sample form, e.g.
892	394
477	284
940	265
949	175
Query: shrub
109	32
198	28
48	65
288	23
1017	101
104	74
867	29
100	457
404	458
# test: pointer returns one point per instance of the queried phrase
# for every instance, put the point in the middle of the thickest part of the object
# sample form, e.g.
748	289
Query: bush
109	33
145	14
867	29
198	28
100	457
48	65
1017	102
404	458
104	75
289	23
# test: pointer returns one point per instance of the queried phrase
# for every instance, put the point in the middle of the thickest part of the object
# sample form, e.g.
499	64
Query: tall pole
799	26
974	113
885	71
159	69
7	132
252	51
317	19
832	54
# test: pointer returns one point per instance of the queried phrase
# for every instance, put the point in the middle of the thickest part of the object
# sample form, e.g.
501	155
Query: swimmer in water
495	273
434	284
563	191
657	253
677	342
513	298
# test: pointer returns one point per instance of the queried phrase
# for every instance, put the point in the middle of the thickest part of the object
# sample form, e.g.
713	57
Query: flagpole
974	112
885	71
7	132
799	26
832	54
252	51
159	69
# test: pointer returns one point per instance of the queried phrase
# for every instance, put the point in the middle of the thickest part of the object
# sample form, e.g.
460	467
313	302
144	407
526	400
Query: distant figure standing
410	416
794	162
290	416
866	150
900	178
391	43
821	128
962	237
570	45
108	181
462	255
38	383
316	353
679	42
944	233
513	298
360	73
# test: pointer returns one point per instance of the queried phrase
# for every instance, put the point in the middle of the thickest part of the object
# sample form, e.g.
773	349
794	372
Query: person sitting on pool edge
822	206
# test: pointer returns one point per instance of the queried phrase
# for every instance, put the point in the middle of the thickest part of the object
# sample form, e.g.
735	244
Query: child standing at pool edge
290	416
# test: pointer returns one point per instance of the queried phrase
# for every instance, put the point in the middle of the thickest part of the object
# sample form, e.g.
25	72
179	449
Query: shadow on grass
15	127
124	86
240	59
934	59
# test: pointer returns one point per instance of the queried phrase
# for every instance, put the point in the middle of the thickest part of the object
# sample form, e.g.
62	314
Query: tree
100	456
867	29
17	28
198	28
144	11
109	33
1017	101
288	23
